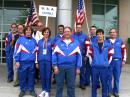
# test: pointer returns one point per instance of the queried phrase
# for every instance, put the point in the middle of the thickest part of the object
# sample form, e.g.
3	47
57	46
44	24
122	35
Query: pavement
7	89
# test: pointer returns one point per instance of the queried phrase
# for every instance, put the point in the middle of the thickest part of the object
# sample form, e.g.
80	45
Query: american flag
32	17
80	15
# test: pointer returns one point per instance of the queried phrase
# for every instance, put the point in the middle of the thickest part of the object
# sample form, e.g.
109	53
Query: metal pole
46	21
86	18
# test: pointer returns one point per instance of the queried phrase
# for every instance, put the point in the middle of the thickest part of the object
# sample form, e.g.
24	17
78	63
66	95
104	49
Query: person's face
100	36
67	33
60	30
13	28
46	33
113	33
28	32
39	26
92	31
79	28
20	29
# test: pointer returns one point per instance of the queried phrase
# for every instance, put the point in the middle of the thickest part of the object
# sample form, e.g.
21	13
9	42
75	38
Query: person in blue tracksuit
9	49
100	54
56	38
81	38
119	59
25	56
45	61
59	34
66	60
91	40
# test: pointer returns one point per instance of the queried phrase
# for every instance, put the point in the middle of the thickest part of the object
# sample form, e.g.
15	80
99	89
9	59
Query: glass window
98	24
111	2
111	12
1	2
98	1
13	15
19	4
0	15
105	14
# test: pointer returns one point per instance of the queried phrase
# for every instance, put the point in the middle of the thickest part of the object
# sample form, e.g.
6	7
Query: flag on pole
80	14
32	17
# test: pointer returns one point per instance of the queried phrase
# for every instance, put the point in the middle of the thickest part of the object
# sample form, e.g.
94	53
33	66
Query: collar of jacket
72	40
78	33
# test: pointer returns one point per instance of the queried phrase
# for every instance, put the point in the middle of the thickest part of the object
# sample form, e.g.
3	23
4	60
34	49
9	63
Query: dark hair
112	29
26	28
46	28
13	24
20	25
93	27
68	28
61	26
99	31
78	24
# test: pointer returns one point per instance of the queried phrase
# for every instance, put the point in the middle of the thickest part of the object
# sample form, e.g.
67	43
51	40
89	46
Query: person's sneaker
9	81
15	85
109	95
82	87
21	94
46	94
54	82
98	86
32	93
116	95
42	94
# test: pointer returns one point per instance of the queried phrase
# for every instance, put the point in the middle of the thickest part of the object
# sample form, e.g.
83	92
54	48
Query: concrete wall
124	23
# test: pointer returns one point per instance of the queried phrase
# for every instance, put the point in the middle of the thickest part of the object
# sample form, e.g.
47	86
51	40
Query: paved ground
7	90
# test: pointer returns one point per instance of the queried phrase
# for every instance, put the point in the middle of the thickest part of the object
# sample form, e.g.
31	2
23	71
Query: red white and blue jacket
25	49
119	49
100	58
67	56
81	38
41	47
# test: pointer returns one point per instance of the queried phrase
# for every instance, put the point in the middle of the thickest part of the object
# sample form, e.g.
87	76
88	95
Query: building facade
105	14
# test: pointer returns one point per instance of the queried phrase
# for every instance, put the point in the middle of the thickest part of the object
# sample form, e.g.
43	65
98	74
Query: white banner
48	11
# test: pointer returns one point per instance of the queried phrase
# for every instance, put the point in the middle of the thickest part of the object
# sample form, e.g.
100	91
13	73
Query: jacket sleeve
54	55
110	54
7	44
123	49
87	46
90	54
17	51
79	58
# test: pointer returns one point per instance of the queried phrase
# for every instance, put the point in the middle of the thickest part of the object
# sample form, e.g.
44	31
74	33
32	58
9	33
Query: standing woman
44	61
25	56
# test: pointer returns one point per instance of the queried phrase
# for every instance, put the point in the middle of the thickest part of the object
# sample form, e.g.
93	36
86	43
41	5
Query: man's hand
17	64
78	71
123	63
56	70
37	66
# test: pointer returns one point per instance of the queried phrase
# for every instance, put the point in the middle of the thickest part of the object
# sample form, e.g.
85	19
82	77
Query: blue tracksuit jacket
48	56
67	55
119	49
81	37
103	58
25	49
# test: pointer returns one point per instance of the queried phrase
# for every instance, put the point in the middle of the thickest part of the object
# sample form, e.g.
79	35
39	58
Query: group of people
95	59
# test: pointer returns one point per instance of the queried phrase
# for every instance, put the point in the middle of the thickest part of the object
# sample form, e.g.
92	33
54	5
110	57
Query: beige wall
124	23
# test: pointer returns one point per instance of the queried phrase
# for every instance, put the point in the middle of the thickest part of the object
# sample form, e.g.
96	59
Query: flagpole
86	18
46	21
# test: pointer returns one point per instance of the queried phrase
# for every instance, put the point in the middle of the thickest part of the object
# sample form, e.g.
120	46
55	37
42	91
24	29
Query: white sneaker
42	94
46	94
